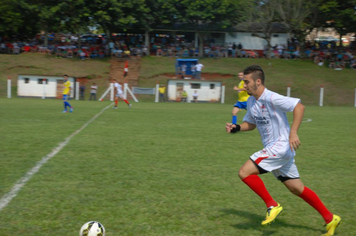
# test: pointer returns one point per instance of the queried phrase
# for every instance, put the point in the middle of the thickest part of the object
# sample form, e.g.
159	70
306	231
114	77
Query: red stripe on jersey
258	160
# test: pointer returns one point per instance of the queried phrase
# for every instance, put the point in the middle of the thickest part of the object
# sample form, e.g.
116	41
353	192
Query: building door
59	89
179	91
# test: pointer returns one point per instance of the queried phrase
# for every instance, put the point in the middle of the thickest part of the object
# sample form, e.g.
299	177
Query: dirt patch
205	76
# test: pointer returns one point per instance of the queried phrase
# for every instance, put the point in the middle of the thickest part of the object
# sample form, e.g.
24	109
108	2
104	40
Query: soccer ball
92	228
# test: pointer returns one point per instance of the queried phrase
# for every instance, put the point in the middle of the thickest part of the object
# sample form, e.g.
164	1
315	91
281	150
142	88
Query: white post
223	94
112	92
9	87
77	90
125	90
44	88
321	95
288	91
157	93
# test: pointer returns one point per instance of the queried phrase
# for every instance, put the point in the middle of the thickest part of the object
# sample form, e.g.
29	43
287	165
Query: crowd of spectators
122	46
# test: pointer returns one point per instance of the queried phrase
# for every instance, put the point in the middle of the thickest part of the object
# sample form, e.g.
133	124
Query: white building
48	86
209	91
250	42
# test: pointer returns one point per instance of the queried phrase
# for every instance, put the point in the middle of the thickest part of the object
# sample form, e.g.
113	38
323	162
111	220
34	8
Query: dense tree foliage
339	14
209	15
25	18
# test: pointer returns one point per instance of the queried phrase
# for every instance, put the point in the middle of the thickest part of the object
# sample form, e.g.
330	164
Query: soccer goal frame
111	90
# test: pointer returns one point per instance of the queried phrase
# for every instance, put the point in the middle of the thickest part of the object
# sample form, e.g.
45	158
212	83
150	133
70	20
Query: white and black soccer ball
92	228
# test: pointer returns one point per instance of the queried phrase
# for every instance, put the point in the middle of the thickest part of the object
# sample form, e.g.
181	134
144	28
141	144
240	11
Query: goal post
111	90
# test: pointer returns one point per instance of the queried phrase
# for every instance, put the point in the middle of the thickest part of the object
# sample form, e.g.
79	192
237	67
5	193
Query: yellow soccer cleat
272	213
330	228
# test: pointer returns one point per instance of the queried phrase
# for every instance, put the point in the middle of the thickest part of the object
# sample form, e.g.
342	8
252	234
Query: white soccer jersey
118	88
268	113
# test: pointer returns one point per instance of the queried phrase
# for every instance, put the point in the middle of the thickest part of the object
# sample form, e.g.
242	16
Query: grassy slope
304	76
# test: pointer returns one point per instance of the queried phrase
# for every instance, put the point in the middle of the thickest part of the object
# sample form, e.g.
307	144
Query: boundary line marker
6	199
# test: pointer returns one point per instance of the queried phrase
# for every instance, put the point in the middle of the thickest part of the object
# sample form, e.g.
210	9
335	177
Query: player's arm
298	114
245	126
239	89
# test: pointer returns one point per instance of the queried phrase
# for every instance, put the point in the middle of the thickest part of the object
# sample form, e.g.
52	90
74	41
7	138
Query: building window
275	35
195	86
40	81
212	86
27	80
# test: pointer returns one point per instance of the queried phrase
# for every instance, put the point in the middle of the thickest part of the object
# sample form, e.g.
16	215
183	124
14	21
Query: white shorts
282	167
120	95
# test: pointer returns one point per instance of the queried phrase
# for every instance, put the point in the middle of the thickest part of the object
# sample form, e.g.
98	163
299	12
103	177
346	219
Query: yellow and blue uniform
241	101
242	97
162	91
66	90
66	93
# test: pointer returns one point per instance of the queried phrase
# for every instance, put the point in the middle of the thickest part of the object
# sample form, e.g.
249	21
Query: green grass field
163	169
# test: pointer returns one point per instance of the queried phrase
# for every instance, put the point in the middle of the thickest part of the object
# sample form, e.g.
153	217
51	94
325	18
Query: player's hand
236	88
294	141
229	127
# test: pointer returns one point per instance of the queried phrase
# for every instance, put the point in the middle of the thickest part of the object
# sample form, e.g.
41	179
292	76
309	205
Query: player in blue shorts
66	94
242	98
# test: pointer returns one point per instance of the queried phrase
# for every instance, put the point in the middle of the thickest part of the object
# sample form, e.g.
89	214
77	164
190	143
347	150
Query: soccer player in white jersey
119	94
266	110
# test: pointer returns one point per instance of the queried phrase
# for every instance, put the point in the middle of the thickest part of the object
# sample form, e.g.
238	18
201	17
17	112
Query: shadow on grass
254	222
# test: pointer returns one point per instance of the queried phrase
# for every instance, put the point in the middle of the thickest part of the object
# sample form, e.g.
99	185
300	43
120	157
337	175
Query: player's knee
296	190
243	173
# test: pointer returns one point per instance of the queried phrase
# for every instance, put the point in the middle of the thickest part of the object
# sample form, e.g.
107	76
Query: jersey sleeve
283	103
248	116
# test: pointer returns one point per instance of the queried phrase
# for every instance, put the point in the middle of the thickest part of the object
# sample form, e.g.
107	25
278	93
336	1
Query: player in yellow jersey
66	94
162	93
242	98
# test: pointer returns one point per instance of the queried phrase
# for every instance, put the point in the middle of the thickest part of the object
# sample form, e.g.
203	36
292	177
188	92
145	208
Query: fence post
223	93
288	90
156	97
9	87
44	88
112	91
321	95
76	90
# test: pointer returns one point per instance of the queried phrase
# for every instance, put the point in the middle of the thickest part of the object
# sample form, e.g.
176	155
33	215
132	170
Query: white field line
6	199
305	120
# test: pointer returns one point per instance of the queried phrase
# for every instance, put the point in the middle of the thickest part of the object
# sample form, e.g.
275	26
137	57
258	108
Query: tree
339	14
15	18
154	13
205	16
300	17
48	13
262	21
115	15
75	17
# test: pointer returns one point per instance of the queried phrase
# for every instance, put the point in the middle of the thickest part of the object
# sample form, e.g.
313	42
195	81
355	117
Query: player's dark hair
257	73
65	75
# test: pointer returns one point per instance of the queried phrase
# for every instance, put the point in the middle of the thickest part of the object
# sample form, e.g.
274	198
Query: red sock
257	185
127	102
116	102
312	199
